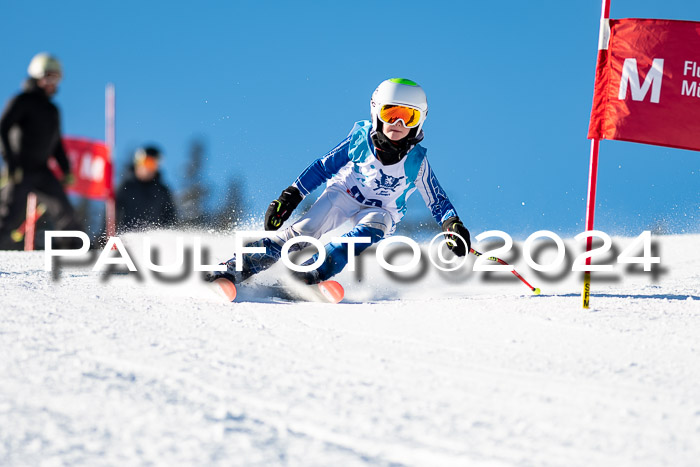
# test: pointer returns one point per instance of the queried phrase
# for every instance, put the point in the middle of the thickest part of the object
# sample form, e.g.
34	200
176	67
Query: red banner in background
647	86
91	165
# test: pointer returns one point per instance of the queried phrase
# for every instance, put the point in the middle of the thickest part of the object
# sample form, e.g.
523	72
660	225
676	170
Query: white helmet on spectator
42	64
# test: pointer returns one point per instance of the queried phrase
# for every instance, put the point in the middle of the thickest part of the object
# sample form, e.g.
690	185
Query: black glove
281	208
454	243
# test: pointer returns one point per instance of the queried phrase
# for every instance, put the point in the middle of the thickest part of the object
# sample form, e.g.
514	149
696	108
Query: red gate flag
91	165
647	87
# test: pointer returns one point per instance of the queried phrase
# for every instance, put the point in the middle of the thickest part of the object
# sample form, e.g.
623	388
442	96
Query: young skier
369	176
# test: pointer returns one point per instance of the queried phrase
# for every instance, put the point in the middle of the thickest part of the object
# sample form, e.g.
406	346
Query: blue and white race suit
362	190
352	167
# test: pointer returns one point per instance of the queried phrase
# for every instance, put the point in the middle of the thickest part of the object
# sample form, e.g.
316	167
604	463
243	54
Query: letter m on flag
630	78
640	82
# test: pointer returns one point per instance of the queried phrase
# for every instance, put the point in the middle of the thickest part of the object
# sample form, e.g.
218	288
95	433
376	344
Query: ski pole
535	290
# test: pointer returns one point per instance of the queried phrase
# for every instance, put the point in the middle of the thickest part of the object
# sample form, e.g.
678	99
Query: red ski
326	291
225	288
332	291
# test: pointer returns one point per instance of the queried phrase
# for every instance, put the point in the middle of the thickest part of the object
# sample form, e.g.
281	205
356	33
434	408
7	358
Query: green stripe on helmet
403	81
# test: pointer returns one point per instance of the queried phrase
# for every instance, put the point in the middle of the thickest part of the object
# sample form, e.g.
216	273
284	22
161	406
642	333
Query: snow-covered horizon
429	368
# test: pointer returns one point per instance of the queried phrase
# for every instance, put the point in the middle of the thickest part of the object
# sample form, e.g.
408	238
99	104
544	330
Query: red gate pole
593	168
110	208
30	222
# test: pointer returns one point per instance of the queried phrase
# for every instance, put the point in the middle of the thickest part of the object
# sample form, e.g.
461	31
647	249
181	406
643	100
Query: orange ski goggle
393	113
150	163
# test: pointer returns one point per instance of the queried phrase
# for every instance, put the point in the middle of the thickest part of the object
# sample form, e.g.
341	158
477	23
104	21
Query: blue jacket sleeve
324	168
433	194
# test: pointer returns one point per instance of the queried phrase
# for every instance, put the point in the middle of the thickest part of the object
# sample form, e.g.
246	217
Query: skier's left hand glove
281	208
454	226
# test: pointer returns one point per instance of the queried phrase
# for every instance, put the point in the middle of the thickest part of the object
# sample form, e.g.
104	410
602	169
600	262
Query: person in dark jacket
143	200
30	132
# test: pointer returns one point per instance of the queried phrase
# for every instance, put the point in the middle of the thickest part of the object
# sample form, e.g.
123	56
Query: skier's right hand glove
459	246
281	208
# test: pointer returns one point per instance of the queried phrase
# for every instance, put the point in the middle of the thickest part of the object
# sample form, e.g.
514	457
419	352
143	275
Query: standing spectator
30	132
143	200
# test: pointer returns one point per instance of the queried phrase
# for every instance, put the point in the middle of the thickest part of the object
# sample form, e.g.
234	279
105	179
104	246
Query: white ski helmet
399	91
43	63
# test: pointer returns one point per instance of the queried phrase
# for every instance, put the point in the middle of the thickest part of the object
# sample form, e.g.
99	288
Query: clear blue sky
270	86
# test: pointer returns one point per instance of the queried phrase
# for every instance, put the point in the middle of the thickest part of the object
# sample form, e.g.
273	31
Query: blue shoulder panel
359	149
413	161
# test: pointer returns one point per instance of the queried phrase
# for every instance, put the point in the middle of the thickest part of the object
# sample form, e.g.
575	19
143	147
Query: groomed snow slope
107	370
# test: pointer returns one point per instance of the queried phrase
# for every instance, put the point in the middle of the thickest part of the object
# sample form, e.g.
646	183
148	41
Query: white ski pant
333	208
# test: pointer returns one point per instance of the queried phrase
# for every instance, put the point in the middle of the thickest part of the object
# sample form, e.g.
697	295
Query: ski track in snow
98	370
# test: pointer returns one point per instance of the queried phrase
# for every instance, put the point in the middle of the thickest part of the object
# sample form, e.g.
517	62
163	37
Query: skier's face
146	168
396	131
49	83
